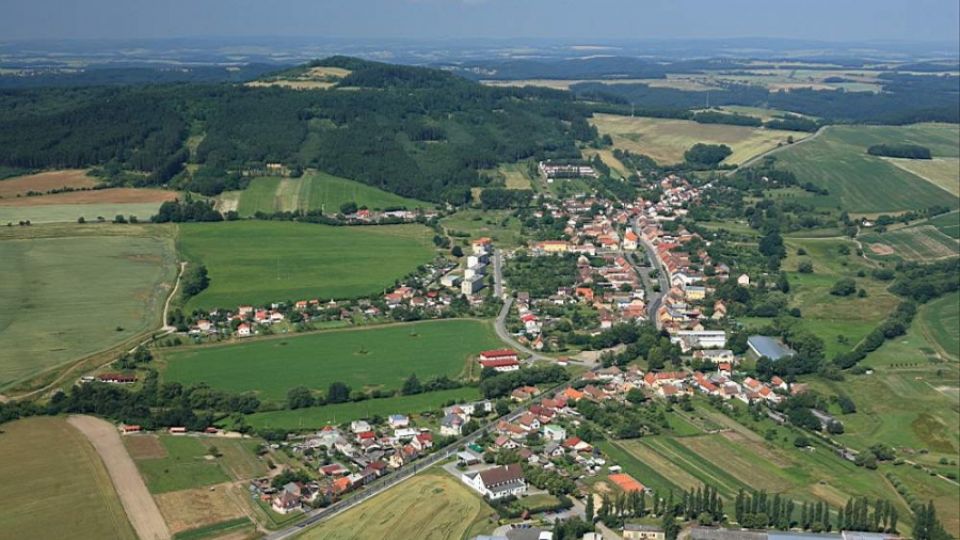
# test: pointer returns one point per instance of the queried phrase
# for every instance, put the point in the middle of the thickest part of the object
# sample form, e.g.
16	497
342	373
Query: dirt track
141	509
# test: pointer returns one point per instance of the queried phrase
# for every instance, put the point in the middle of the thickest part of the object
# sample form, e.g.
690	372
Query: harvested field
916	243
665	140
139	505
95	196
45	181
193	508
941	172
433	505
144	446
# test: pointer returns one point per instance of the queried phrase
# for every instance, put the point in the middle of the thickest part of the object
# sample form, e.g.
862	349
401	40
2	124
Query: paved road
498	273
654	299
500	325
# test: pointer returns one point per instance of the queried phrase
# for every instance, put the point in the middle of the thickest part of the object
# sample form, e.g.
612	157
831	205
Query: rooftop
770	347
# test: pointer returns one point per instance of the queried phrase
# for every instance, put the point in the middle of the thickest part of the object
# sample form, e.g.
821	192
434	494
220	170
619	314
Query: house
286	502
359	426
130	428
116	378
471	285
398	420
632	531
498	482
244	330
575	443
743	280
451	425
553	432
334	469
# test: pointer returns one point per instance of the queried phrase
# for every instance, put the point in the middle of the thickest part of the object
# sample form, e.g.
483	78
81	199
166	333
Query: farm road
141	509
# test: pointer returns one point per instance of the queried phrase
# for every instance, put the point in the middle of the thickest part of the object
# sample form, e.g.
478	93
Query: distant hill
418	132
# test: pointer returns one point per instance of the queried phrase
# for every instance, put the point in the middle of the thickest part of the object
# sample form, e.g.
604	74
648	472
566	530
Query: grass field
860	183
48	466
125	272
665	140
429	506
830	316
258	262
939	322
315	191
948	224
185	466
499	225
318	417
374	357
918	243
941	172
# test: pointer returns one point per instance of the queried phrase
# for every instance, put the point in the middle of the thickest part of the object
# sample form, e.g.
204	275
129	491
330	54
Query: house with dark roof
497	482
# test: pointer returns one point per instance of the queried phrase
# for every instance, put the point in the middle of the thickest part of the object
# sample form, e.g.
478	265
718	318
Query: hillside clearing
941	172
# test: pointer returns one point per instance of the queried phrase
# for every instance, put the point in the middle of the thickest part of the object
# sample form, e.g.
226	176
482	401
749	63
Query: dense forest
418	132
905	99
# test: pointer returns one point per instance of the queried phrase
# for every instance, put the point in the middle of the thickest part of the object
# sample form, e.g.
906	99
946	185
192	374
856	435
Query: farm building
772	348
633	531
498	354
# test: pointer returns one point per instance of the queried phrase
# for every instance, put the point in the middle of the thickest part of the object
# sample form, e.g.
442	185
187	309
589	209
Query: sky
827	20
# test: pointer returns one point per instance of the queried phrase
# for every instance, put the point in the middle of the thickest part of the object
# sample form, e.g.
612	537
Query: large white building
497	482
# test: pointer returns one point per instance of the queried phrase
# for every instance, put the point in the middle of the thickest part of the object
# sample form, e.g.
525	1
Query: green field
184	467
941	172
48	466
259	262
830	316
316	417
948	224
939	322
70	291
920	243
69	213
860	183
430	506
313	191
364	358
499	225
665	140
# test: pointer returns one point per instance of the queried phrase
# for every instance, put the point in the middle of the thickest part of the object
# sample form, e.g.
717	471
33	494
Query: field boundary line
141	509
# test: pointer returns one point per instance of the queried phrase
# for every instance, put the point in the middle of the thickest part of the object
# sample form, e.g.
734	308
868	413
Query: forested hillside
905	99
417	132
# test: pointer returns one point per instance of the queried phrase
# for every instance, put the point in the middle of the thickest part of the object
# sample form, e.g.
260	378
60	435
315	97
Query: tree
300	397
844	287
589	508
338	392
805	267
457	251
707	155
348	208
412	385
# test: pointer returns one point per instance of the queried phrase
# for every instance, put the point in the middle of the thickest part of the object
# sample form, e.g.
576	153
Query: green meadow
840	321
379	357
70	291
860	183
316	191
185	466
258	262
